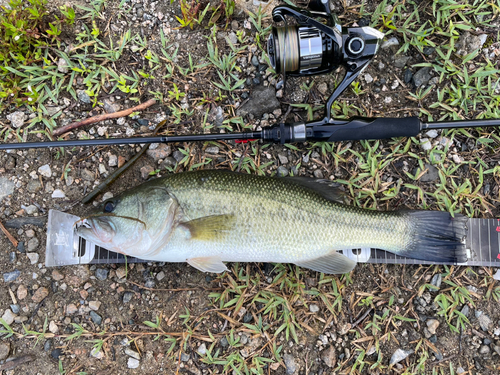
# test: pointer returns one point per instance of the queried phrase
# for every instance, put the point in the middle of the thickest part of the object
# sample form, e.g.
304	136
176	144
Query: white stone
62	66
113	160
456	159
33	257
96	353
58	194
31	209
102	169
132	353
432	133
9	316
132	363
202	349
368	78
425	144
16	119
313	308
101	130
94	305
53	327
45	171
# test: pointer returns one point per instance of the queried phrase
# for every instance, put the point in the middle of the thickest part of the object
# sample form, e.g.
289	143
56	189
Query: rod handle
360	128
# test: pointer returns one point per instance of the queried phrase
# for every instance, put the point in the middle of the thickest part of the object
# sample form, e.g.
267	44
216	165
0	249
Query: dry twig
99	118
8	235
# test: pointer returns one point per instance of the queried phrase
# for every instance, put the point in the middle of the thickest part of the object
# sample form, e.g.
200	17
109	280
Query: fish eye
109	207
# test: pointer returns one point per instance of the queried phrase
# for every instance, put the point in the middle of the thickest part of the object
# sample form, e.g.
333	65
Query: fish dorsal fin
322	187
208	264
209	228
332	263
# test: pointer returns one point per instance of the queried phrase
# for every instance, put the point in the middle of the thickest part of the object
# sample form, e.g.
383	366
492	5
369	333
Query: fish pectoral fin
208	264
209	228
332	263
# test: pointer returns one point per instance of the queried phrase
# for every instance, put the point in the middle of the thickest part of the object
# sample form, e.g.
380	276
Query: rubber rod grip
377	128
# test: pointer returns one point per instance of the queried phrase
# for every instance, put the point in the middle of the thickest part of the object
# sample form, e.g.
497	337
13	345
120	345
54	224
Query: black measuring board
482	243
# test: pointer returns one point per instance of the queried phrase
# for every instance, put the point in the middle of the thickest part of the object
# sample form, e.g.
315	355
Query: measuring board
65	247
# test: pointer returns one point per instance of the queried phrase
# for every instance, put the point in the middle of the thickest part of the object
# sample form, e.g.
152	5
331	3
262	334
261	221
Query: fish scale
214	216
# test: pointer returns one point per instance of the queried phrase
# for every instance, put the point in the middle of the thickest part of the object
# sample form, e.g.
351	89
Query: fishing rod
316	43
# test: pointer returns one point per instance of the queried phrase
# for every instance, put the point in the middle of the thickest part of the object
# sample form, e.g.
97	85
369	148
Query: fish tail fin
437	237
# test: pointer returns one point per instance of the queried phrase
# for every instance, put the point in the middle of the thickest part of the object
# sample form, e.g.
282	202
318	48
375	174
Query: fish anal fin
208	264
209	228
322	187
332	263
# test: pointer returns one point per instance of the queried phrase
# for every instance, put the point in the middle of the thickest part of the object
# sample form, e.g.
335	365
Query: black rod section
135	140
460	124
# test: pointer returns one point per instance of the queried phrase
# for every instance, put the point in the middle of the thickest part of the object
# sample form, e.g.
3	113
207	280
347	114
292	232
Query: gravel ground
381	319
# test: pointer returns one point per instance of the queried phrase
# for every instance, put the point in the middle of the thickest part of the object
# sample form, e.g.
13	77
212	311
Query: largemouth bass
209	217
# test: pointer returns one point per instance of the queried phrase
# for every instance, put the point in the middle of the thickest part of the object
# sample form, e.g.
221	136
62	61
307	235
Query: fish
210	217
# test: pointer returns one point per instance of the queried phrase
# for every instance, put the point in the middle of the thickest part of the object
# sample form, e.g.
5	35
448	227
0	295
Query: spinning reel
311	47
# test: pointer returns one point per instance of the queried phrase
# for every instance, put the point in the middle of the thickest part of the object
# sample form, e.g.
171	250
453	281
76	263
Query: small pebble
127	297
96	318
432	325
96	353
22	292
45	171
313	308
436	280
11	276
71	309
58	193
8	316
408	75
484	320
255	61
282	171
133	363
33	244
56	353
94	305
132	353
318	174
290	365
484	349
329	356
40	295
432	133
425	144
202	349
33	257
101	273
399	355
390	43
53	327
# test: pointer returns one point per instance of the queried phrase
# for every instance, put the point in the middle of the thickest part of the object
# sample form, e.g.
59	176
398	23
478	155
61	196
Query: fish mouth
96	229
